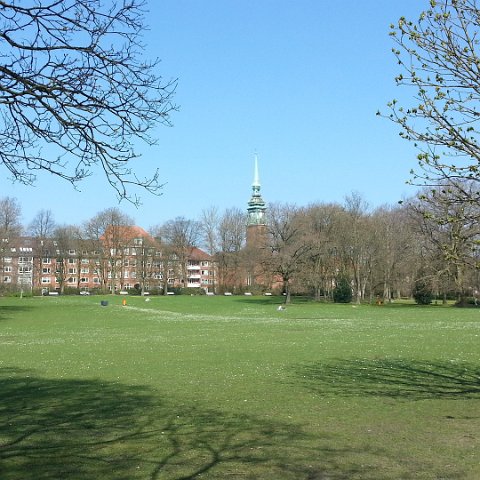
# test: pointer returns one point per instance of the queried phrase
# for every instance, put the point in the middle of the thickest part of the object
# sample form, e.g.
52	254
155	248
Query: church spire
256	178
256	205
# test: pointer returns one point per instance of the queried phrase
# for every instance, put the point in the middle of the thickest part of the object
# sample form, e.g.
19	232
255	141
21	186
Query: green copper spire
256	205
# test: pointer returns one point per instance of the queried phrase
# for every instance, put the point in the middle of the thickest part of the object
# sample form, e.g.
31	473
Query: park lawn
229	387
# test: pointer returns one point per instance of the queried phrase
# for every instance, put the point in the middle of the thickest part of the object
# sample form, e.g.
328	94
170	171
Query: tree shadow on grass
7	311
408	379
88	429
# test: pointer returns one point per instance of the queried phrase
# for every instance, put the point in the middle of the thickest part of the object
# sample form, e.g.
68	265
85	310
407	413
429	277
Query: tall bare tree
66	262
10	212
106	232
451	228
209	225
396	251
76	92
42	225
41	228
231	242
287	243
322	222
357	243
181	234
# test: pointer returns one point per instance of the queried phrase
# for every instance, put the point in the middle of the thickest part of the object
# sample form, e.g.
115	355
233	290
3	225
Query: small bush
422	293
342	293
71	291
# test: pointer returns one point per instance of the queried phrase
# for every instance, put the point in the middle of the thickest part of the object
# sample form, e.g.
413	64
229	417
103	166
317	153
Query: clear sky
297	81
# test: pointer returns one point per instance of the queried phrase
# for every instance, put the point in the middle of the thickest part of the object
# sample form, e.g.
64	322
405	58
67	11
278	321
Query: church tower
256	222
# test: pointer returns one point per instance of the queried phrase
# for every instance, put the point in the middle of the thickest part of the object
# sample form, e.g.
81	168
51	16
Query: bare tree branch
75	91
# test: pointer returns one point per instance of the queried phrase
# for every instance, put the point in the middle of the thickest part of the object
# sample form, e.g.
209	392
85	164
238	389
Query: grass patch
229	387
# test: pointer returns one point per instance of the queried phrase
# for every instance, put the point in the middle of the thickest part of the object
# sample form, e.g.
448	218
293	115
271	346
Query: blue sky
297	81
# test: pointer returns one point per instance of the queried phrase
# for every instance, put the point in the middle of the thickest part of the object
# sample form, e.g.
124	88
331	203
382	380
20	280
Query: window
46	260
71	261
7	269
138	241
83	280
72	270
22	260
45	280
46	270
96	280
72	280
72	252
85	261
24	269
7	259
7	279
125	275
84	270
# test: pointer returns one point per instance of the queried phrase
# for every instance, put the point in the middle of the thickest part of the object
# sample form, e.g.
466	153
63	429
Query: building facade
124	258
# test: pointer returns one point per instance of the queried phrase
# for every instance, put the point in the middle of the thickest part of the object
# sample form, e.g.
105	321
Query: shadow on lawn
409	379
87	429
7	311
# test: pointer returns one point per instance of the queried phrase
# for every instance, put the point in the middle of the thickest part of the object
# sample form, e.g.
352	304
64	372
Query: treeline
427	246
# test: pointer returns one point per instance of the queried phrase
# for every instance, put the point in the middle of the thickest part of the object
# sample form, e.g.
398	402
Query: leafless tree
166	258
41	228
10	212
357	244
76	92
180	235
451	230
231	257
209	225
287	243
66	263
106	233
322	221
42	225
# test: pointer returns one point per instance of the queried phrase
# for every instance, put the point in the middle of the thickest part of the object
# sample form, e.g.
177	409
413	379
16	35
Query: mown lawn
229	387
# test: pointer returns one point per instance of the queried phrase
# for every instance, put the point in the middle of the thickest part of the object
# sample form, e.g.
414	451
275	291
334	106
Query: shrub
71	291
422	293
342	293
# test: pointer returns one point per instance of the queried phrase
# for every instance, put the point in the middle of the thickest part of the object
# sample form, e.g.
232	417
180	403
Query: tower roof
256	177
256	205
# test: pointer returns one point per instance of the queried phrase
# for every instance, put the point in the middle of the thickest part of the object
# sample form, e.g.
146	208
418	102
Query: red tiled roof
127	232
197	254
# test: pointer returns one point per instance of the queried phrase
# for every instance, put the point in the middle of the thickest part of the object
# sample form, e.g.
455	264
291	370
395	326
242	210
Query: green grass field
230	388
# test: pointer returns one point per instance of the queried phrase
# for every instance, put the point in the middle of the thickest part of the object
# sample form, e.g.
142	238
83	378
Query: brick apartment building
125	257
